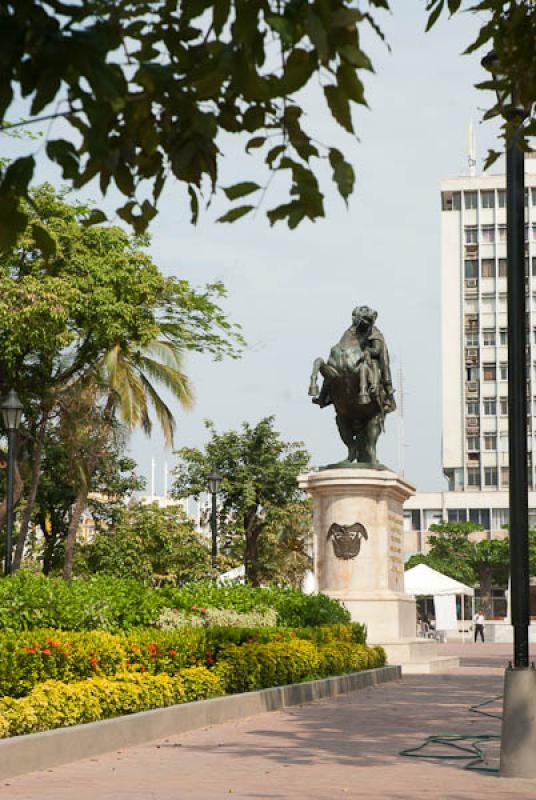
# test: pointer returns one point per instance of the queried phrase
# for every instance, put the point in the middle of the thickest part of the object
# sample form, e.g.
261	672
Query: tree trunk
78	509
485	588
18	490
34	485
251	552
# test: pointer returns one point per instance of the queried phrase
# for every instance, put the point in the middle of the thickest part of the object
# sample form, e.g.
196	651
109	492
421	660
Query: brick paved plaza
347	747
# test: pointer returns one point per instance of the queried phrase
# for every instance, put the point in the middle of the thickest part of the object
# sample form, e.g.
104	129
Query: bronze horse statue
357	381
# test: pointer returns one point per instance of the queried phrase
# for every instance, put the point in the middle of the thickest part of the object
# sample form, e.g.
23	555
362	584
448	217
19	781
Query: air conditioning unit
472	390
472	424
471	283
471	356
471	321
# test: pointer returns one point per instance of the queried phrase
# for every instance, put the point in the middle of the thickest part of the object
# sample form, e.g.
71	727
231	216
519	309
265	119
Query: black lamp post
518	732
11	408
214	482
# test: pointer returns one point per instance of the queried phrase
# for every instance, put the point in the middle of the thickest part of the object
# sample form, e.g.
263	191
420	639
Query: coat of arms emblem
347	539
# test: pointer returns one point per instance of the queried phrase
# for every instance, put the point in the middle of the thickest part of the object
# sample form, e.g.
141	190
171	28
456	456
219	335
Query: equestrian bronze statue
357	381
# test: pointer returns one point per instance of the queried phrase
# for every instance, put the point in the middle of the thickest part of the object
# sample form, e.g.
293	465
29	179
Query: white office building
475	357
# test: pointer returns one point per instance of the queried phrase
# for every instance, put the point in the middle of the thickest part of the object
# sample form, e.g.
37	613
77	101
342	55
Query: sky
293	291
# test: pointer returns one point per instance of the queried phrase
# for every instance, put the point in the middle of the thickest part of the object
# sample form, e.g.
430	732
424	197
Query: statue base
358	555
354	465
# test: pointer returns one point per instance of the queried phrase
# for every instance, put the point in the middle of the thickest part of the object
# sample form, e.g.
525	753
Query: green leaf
350	84
19	174
317	34
241	189
256	142
298	69
343	173
64	153
220	14
95	217
434	16
346	18
43	239
274	153
353	55
454	5
491	158
235	213
339	106
194	204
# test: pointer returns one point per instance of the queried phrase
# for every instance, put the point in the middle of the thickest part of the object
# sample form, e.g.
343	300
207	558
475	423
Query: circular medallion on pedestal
346	539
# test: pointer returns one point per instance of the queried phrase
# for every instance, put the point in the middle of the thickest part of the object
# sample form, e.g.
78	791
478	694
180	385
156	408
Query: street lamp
519	711
214	482
11	409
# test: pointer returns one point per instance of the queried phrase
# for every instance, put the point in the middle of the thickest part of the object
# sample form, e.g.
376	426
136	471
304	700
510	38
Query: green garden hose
467	745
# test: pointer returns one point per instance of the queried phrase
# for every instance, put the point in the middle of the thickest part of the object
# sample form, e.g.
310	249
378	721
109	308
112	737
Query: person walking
479	625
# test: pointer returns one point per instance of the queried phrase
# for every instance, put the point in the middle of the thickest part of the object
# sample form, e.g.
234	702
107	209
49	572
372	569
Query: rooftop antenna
471	150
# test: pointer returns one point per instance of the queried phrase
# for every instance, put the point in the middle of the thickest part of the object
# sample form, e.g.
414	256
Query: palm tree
124	387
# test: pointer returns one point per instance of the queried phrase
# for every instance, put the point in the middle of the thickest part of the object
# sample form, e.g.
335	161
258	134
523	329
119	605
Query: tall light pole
11	408
214	483
518	740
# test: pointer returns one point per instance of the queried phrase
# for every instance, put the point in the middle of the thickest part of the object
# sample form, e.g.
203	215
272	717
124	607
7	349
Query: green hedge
259	666
256	665
57	705
101	602
31	657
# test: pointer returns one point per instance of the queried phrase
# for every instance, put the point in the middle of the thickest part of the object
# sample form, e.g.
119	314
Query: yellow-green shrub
258	666
54	704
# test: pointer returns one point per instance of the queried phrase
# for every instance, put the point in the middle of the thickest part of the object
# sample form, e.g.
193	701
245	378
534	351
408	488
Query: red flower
203	610
53	643
46	653
210	657
277	636
172	652
293	634
29	650
93	662
194	608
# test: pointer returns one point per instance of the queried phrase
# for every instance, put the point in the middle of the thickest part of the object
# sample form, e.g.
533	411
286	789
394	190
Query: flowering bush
54	704
171	618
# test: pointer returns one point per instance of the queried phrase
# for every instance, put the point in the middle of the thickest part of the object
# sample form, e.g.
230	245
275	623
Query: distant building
474	361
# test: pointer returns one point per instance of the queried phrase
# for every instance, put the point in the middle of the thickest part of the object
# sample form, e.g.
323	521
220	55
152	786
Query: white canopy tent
423	581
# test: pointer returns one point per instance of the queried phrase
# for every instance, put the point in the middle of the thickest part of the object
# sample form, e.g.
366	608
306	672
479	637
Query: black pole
10	489
517	400
214	529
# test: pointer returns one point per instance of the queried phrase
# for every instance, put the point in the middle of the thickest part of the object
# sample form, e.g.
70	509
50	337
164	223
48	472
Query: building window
471	305
471	269
489	372
505	477
472	339
533	265
457	515
488	268
473	373
533	191
471	234
504	406
488	233
501	231
502	268
487	199
488	303
412	520
503	372
480	516
451	201
470	200
490	479
501	197
488	336
502	301
473	408
473	442
473	476
490	408
490	441
503	336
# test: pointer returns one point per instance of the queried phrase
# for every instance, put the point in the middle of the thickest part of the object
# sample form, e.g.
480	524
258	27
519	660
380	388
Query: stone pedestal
369	582
359	559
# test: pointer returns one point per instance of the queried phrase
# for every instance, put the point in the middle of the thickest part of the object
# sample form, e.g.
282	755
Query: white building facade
475	358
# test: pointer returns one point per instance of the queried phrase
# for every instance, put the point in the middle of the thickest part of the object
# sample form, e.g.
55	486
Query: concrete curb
39	751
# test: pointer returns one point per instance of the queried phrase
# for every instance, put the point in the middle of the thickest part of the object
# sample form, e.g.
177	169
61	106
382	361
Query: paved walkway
347	747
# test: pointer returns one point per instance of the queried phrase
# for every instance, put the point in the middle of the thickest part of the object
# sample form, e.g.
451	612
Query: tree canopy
147	88
259	491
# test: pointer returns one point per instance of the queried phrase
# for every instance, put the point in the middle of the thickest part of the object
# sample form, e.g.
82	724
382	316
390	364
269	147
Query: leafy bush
33	601
258	666
113	604
54	704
